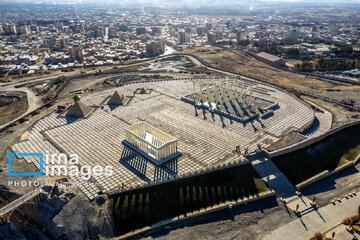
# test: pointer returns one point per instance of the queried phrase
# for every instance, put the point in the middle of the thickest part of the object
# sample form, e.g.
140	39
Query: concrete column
222	91
208	91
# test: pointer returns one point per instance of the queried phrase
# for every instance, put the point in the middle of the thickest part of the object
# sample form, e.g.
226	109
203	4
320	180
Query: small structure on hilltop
151	143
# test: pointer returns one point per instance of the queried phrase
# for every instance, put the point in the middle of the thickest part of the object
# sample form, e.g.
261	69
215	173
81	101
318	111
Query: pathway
322	124
277	181
274	178
326	220
34	102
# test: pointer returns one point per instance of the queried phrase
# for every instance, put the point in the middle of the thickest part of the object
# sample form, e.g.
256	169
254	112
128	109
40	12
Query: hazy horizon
185	2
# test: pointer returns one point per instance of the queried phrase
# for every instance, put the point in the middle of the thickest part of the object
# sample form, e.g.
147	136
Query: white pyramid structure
116	99
78	109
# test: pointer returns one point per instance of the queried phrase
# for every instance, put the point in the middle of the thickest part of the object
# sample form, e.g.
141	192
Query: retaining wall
197	213
310	141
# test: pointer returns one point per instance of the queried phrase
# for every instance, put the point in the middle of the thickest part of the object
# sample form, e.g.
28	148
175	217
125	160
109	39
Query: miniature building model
78	109
158	146
116	99
142	90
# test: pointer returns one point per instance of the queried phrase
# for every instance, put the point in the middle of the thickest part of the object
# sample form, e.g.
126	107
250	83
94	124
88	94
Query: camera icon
16	153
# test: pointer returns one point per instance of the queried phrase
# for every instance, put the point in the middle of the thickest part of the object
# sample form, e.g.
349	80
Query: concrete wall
326	174
197	213
310	141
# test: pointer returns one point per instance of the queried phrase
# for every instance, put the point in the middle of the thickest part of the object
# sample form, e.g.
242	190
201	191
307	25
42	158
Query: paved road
323	220
33	102
54	75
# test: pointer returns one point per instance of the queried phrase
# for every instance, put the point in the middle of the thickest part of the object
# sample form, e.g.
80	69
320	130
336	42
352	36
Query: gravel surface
251	221
334	186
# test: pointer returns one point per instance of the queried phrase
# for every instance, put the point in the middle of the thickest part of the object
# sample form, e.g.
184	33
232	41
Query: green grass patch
352	154
144	207
329	154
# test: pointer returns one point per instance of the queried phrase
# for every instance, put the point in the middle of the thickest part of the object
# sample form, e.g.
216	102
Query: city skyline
124	118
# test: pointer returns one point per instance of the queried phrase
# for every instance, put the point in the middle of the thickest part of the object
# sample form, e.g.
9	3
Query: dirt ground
336	186
340	114
243	63
12	105
257	219
289	139
252	221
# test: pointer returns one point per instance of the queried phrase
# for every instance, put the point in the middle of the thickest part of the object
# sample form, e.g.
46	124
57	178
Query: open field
12	105
243	63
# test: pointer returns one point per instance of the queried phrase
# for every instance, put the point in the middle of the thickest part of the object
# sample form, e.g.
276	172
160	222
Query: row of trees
322	64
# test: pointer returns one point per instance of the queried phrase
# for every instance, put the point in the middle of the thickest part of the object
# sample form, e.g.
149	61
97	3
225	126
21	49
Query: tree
244	42
76	98
292	53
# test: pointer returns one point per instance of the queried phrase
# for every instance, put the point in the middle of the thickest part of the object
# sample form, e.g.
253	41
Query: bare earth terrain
243	63
12	105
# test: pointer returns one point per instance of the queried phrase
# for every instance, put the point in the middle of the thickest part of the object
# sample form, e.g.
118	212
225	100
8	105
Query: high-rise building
63	43
199	31
123	28
59	26
5	28
240	36
156	31
12	29
76	53
140	30
99	32
211	38
34	28
181	37
290	36
23	30
112	32
49	42
155	48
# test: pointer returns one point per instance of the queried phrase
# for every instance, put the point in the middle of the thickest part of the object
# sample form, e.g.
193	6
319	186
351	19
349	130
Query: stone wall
309	142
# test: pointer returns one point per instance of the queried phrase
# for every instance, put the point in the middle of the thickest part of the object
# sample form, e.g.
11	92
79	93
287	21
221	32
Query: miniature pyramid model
116	99
78	109
142	90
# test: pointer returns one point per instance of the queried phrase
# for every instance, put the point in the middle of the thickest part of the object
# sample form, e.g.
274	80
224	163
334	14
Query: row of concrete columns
167	150
224	92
